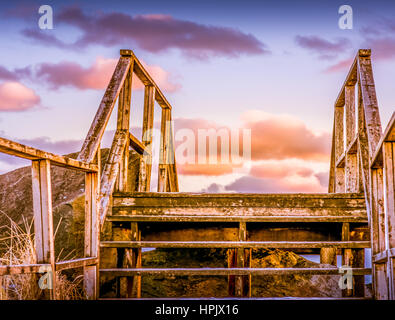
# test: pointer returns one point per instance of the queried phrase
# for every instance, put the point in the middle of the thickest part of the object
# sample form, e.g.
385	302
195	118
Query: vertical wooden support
349	93
172	166
123	123
164	146
339	148
389	169
43	222
240	286
148	123
378	233
92	227
353	259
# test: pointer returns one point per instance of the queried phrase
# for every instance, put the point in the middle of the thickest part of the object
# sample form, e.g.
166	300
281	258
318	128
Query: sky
272	67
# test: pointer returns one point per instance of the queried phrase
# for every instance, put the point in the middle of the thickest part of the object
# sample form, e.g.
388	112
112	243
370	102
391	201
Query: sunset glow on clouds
97	76
15	96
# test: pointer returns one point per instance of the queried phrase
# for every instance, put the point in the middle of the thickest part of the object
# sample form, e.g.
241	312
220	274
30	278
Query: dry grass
17	247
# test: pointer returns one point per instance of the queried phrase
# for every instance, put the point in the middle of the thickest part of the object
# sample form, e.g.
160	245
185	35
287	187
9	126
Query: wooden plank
137	145
110	172
350	81
26	152
351	173
236	244
381	257
204	218
92	234
123	124
349	113
369	101
163	155
43	221
76	263
230	271
389	169
173	177
147	135
103	114
22	269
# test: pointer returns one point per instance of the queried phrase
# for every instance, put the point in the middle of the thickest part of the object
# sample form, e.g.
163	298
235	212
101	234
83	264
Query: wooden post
339	148
148	123
240	286
92	227
378	233
389	169
164	145
43	224
123	123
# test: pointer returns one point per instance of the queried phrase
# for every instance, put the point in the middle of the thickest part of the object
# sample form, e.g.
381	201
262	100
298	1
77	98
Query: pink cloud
14	96
341	66
281	136
97	75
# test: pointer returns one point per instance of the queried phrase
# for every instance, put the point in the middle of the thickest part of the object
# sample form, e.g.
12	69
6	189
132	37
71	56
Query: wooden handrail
26	152
96	131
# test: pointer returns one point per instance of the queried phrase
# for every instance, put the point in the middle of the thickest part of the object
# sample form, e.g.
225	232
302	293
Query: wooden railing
98	190
357	165
115	171
43	219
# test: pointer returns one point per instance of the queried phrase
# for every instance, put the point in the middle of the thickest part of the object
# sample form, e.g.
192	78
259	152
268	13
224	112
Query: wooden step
235	218
130	272
237	244
183	207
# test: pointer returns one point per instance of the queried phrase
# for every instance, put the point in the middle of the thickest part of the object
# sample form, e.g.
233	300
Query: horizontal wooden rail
128	272
37	268
22	269
26	152
384	256
213	218
235	244
76	263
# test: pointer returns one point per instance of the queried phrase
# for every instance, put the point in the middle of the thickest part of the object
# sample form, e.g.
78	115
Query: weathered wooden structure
356	214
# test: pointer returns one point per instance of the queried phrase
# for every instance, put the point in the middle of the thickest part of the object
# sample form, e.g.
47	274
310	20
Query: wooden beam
147	135
92	234
230	271
137	145
236	218
123	124
236	244
110	172
103	114
22	151
76	263
369	102
43	222
22	269
163	155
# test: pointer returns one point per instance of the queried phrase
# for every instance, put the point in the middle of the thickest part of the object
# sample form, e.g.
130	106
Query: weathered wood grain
26	152
103	114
